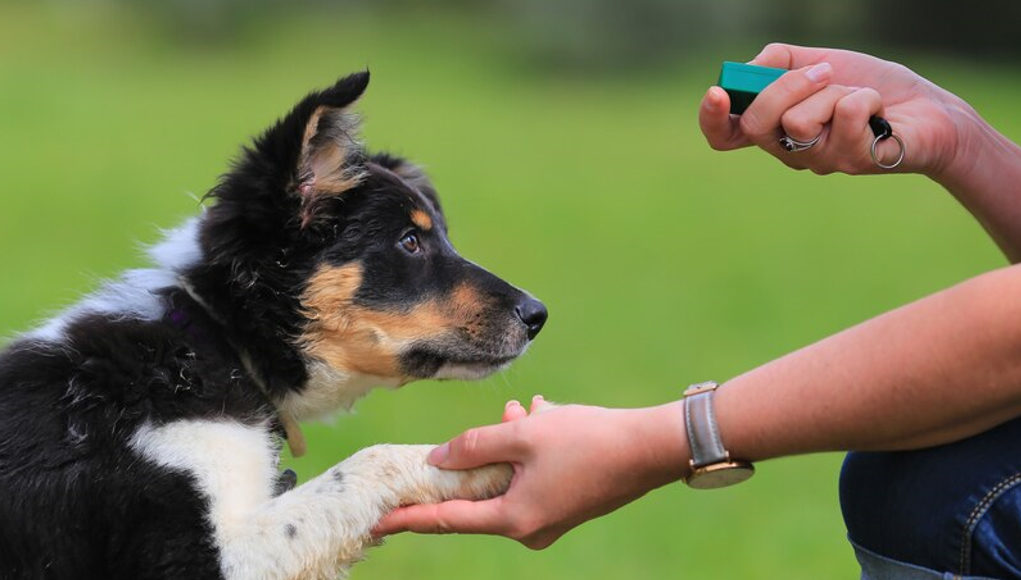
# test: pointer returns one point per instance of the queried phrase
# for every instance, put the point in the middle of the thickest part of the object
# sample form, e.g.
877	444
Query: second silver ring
792	145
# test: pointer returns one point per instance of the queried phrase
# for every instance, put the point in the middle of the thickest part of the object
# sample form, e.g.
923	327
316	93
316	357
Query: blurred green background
562	137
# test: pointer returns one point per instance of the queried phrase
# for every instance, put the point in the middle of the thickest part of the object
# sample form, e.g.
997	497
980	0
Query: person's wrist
660	435
964	137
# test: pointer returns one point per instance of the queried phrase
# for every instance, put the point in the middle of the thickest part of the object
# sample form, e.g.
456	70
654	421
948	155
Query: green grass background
662	262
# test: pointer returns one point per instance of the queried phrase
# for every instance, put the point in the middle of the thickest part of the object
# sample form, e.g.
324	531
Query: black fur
75	500
74	503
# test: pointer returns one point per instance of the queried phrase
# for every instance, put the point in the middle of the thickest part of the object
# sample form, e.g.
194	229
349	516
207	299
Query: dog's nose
533	313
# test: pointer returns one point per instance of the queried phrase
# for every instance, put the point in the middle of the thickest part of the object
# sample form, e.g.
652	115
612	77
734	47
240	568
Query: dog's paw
404	470
474	484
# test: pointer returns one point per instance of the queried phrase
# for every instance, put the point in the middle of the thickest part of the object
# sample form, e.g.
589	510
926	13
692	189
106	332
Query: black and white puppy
140	430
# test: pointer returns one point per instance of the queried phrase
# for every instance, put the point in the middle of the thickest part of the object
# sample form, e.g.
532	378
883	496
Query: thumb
479	446
789	56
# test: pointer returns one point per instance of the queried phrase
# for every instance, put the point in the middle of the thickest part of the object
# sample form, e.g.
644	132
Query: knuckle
442	526
773	49
870	93
517	438
850	107
469	441
462	447
515	431
797	126
751	124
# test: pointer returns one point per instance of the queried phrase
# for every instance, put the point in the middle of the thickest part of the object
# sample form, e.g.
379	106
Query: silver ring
900	156
792	145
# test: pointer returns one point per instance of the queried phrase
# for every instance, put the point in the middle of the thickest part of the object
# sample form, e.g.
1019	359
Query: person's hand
831	94
571	463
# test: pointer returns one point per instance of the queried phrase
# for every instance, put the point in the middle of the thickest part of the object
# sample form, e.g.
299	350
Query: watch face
720	475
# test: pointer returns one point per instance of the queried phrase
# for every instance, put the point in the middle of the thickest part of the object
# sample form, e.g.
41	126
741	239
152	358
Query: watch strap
700	421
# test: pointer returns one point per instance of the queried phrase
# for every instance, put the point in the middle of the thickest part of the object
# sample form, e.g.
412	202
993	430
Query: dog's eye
409	243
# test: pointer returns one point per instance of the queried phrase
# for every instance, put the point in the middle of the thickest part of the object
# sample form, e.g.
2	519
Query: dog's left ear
329	160
305	158
316	145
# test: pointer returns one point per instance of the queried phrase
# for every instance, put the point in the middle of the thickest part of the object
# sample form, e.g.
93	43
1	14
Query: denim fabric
876	567
952	509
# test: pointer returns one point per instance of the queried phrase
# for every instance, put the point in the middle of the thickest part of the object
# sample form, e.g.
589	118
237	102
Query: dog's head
341	258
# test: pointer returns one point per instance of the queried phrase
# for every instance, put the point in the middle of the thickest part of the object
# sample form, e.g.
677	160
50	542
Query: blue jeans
953	511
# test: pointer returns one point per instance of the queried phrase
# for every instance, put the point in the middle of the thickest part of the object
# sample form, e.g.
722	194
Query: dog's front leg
319	529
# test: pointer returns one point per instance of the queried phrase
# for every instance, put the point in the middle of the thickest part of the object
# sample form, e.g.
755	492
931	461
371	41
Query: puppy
140	430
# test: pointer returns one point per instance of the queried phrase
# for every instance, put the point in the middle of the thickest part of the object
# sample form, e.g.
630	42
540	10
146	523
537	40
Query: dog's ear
311	153
305	158
412	174
316	146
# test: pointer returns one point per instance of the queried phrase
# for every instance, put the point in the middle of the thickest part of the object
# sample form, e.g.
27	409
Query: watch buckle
699	388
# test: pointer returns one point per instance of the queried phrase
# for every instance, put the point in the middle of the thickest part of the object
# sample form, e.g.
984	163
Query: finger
539	404
850	133
807	120
720	128
789	56
513	411
479	446
451	517
762	118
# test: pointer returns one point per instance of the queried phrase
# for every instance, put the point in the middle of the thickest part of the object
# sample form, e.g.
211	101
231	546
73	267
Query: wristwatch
711	464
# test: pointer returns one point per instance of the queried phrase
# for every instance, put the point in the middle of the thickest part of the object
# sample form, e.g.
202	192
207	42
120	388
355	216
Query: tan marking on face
333	333
422	220
466	297
469	307
357	339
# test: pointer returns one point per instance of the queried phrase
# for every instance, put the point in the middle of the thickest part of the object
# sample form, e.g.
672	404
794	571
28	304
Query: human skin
934	371
946	139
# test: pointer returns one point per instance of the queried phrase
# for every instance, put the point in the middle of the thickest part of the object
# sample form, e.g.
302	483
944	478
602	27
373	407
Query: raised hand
831	94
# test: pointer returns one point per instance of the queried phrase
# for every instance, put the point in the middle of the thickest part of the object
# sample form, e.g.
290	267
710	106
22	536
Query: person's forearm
940	369
984	174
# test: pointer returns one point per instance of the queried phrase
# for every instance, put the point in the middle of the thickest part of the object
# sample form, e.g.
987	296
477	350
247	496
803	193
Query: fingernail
438	455
512	403
819	72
